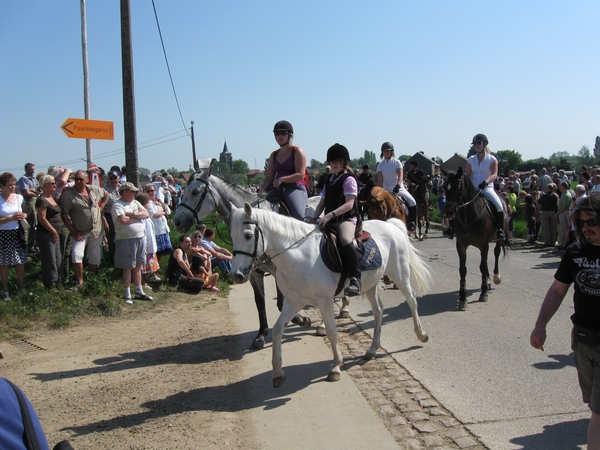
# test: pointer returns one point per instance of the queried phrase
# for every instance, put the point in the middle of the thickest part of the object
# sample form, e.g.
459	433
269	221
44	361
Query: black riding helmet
337	152
387	146
480	137
283	125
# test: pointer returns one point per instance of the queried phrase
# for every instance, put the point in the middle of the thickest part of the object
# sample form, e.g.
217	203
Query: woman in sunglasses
286	170
48	231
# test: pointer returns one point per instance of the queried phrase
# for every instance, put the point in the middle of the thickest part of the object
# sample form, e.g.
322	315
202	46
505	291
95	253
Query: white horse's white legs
408	293
289	310
326	308
377	308
344	312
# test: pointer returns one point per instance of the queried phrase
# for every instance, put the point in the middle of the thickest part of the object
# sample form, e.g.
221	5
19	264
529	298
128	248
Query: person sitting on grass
220	257
201	267
179	271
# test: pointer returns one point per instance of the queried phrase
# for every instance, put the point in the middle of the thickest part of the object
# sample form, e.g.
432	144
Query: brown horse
381	205
473	223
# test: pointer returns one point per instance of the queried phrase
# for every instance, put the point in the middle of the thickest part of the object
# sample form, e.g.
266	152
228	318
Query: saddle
332	249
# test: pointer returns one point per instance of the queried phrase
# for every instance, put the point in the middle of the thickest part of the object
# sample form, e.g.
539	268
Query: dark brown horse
473	222
420	193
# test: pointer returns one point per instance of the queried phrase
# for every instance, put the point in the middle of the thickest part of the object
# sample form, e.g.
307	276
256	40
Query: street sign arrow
88	129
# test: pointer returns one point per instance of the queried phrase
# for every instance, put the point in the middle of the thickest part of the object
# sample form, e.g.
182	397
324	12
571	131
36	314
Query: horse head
459	191
194	196
248	242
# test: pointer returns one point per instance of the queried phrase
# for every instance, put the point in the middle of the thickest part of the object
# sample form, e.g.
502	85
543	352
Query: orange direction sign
89	129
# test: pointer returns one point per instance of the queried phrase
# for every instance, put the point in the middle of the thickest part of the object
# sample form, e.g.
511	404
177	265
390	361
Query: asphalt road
478	363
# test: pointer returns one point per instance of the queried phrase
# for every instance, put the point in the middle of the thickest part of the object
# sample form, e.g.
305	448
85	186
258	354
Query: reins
458	206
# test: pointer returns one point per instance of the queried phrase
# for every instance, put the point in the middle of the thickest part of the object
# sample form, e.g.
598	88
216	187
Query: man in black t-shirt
323	179
580	265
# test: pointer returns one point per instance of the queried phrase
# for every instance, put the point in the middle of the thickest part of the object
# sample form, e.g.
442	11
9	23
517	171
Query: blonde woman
48	231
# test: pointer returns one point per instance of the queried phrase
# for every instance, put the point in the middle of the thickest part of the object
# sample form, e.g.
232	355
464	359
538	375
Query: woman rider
482	168
338	199
390	176
286	169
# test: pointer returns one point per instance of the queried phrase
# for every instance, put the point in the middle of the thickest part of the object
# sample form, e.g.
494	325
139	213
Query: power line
167	62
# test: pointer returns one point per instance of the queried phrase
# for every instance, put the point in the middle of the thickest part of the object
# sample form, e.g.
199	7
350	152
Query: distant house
426	164
452	164
254	173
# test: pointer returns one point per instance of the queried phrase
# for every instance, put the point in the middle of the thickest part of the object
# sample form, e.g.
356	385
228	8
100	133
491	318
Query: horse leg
426	222
406	289
257	281
497	276
377	308
288	311
462	270
485	274
344	311
327	313
298	319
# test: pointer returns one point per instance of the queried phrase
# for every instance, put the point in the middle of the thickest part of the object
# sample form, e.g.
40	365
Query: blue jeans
224	265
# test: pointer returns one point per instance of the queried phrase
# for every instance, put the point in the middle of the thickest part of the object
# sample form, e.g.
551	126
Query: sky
425	75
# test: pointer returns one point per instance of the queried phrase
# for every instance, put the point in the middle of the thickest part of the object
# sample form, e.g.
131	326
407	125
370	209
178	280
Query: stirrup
500	236
448	232
353	289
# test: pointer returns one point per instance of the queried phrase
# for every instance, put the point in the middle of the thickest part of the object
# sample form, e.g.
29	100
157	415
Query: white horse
294	248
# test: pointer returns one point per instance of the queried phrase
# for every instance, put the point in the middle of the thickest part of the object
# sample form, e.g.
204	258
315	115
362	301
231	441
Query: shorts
130	253
94	248
587	361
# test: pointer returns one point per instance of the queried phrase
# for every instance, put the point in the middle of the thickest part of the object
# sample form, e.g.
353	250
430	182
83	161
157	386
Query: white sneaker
128	300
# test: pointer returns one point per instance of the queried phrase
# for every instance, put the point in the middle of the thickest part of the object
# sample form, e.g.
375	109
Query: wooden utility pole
86	81
131	156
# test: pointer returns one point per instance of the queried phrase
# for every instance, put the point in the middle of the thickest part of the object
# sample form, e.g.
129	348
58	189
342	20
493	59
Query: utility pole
131	156
86	81
195	162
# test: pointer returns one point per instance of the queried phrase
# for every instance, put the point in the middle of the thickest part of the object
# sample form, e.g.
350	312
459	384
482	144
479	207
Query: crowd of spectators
70	218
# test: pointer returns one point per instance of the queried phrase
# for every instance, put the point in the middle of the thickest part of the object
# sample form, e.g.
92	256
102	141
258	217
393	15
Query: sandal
213	288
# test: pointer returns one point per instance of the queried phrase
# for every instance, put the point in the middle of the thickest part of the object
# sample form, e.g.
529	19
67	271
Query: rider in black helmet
482	168
338	199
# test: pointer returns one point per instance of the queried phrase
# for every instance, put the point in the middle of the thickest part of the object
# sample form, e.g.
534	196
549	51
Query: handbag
23	225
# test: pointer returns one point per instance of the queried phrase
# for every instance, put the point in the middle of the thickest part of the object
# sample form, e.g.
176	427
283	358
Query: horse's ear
459	172
210	168
248	209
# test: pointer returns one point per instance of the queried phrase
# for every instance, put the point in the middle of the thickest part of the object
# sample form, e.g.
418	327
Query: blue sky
425	75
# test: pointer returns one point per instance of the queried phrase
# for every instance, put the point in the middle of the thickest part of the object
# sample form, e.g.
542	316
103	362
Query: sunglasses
479	142
589	223
113	178
280	133
149	190
79	179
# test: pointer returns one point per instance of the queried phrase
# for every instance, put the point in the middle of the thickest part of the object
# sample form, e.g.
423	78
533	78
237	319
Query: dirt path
154	381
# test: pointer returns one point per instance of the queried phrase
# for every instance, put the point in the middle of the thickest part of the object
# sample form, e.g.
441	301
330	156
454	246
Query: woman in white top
482	168
13	250
390	176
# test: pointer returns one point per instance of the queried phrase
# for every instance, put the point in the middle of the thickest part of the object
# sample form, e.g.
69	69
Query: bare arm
552	302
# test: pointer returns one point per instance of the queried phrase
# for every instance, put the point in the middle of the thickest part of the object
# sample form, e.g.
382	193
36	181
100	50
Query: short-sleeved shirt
113	197
565	200
135	229
52	214
8	209
581	265
548	202
27	182
387	168
85	217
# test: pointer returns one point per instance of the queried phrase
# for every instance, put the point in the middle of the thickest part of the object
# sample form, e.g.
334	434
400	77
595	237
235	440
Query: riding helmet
336	152
387	146
283	125
480	137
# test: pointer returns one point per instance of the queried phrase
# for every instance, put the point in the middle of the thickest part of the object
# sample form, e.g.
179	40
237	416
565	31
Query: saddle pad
370	260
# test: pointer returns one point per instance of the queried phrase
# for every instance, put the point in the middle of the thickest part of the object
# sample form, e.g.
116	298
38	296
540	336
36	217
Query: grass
35	307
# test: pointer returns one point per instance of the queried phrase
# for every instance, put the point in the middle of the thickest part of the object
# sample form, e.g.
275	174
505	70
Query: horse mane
284	227
246	194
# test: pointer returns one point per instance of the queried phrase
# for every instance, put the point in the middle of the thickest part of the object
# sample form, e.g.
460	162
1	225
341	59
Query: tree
144	174
239	179
315	164
222	170
176	173
507	160
240	167
597	149
585	157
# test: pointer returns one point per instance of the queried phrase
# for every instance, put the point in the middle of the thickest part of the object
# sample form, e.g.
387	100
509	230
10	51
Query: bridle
458	205
264	258
201	201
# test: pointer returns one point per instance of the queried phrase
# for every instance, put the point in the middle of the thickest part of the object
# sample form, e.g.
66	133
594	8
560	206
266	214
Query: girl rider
482	168
338	199
286	168
390	176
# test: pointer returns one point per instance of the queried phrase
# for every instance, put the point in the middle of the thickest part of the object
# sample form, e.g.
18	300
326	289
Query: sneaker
353	289
448	232
139	296
154	277
6	297
128	300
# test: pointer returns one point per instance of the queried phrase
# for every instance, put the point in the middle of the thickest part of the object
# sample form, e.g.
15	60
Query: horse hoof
278	381
424	337
483	298
344	314
420	238
333	376
302	321
369	356
321	331
497	278
387	279
258	344
425	236
462	305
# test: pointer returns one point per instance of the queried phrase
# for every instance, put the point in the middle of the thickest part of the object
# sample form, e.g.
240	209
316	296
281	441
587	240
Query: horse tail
421	277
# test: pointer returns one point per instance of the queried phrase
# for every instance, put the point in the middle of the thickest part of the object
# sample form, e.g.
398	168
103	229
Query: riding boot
449	230
351	263
412	217
500	237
